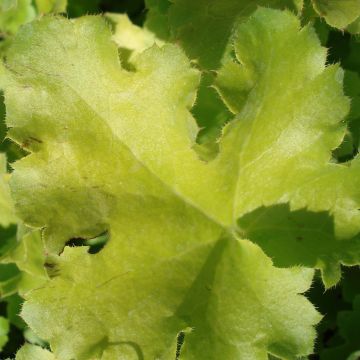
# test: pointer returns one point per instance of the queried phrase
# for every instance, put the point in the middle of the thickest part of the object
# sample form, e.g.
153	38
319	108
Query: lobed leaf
174	260
284	134
338	13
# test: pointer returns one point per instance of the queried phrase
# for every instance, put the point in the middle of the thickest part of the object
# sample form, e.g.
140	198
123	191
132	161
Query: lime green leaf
24	265
32	338
131	39
180	292
209	110
130	36
11	278
285	149
14	13
4	330
32	352
7	212
173	263
51	6
232	310
338	13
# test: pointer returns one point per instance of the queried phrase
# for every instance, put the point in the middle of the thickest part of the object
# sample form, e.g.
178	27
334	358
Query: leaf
7	214
32	352
352	86
22	265
237	270
129	36
209	110
285	149
13	308
4	330
300	237
338	13
51	6
14	13
211	115
173	260
131	39
354	27
157	18
29	257
351	141
189	24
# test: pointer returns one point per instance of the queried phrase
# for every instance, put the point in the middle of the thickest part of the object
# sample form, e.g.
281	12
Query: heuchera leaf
354	27
51	6
7	214
129	36
13	308
14	13
28	352
300	237
21	260
24	264
131	39
284	133
157	18
338	13
4	330
190	24
113	152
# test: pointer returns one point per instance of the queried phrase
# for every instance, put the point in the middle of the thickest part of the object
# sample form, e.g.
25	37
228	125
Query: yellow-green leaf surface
204	28
14	13
284	128
21	260
4	330
22	265
51	6
32	352
129	36
112	150
7	212
338	13
131	39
